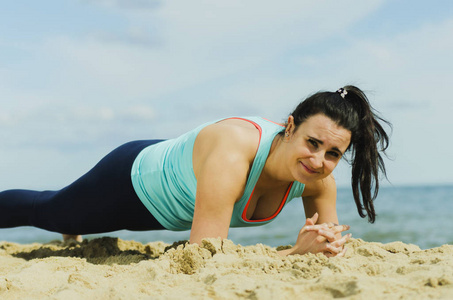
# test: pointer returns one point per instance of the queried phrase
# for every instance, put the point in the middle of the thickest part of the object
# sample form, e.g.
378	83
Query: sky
80	77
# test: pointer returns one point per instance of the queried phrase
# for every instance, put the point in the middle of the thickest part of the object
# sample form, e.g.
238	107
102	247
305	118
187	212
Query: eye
313	143
334	154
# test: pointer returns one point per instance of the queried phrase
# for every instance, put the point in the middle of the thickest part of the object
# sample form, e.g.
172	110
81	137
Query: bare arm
321	197
222	157
219	186
321	232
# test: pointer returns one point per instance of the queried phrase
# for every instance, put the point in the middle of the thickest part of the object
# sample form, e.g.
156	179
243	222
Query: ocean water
421	215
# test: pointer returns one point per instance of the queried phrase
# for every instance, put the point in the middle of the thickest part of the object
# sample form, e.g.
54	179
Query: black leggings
102	200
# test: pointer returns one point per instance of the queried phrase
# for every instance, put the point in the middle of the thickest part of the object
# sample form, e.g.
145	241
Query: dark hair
352	111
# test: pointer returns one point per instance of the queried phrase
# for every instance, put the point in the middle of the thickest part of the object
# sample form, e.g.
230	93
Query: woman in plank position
234	172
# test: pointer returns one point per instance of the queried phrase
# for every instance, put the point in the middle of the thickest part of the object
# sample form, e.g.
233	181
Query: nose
317	160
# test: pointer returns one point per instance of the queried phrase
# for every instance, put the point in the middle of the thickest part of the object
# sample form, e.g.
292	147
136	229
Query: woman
234	172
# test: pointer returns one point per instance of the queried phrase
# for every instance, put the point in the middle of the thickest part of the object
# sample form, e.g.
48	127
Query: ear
290	127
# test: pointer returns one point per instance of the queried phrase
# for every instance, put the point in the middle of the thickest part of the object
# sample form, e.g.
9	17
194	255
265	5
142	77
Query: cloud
134	36
68	127
197	42
79	114
232	29
127	4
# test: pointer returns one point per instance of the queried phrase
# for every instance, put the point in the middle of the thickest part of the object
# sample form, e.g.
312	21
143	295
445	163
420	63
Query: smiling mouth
309	170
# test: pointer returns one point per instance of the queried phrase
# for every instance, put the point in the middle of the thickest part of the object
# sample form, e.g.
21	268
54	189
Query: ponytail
368	141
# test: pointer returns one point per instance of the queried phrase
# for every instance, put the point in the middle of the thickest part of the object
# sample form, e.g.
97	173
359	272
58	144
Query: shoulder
230	142
236	126
230	134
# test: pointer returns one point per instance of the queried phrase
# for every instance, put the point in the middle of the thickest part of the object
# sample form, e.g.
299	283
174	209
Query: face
315	147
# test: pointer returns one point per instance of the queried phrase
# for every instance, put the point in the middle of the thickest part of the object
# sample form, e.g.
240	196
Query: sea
420	215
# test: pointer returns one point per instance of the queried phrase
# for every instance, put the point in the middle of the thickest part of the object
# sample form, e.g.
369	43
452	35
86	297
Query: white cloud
127	4
201	41
139	112
134	36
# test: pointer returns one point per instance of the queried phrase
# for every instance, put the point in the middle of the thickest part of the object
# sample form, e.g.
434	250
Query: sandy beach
110	268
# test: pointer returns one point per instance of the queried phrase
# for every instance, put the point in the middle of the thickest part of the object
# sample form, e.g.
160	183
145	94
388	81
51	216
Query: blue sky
78	78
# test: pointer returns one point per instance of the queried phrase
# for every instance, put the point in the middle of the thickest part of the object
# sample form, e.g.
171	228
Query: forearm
203	228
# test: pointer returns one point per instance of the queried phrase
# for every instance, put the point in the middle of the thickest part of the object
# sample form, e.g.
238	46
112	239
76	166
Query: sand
110	268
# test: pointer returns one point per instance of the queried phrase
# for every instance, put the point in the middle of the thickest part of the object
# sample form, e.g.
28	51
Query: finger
309	221
343	252
330	225
335	229
332	249
318	227
325	225
328	254
342	241
345	249
340	228
329	235
321	239
314	219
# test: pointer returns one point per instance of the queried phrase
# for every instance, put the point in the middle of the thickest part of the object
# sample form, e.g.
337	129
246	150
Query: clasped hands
321	238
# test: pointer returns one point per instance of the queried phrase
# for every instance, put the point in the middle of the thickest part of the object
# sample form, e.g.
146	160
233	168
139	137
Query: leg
75	237
102	200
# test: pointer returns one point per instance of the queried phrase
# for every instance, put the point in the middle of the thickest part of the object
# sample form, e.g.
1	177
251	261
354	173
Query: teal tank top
163	178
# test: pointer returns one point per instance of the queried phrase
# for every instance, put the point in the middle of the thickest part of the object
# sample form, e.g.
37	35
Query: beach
111	268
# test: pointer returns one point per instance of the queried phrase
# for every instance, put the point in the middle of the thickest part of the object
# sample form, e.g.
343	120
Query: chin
307	179
311	178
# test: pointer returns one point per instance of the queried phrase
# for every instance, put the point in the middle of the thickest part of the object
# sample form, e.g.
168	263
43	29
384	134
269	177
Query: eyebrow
322	143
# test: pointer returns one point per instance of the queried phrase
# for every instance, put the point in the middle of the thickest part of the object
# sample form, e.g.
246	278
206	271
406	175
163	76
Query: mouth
308	169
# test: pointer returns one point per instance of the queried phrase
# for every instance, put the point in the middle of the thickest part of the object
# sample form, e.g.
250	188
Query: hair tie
342	92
